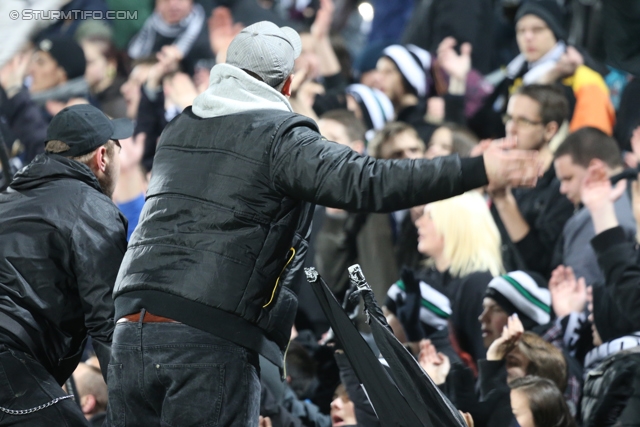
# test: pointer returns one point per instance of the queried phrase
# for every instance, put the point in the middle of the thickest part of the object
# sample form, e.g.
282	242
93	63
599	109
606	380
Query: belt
146	318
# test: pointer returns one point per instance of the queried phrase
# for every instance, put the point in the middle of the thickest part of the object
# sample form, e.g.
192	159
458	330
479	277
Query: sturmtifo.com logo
55	15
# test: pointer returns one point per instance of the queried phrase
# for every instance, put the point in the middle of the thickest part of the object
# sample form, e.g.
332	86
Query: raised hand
596	188
567	294
321	26
457	66
510	336
435	364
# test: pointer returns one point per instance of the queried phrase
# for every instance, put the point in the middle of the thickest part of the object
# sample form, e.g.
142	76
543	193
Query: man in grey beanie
206	283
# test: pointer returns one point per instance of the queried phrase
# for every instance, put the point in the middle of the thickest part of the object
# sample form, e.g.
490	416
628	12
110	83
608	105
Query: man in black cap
61	242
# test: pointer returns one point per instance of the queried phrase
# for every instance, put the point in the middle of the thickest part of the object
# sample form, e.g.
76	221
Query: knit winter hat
548	11
377	108
67	53
435	307
413	63
518	292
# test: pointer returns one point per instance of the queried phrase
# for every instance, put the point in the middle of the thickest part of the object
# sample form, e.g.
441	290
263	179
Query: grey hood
232	91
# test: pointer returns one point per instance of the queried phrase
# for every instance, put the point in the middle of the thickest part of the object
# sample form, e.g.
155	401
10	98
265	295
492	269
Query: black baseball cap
84	128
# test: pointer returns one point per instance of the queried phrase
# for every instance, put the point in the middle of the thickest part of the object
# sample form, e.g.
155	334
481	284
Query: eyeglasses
520	121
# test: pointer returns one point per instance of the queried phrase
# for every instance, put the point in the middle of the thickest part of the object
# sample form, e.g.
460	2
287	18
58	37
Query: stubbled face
131	88
493	319
109	179
389	80
534	37
441	143
45	72
403	146
521	410
525	122
174	11
571	177
430	241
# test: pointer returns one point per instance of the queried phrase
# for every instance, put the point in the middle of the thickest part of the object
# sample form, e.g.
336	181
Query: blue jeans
26	384
171	374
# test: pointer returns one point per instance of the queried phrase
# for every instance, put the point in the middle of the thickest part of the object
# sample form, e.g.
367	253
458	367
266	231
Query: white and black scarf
535	70
605	350
185	32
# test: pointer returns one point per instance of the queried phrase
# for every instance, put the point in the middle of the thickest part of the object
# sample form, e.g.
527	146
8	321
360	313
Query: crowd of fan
520	304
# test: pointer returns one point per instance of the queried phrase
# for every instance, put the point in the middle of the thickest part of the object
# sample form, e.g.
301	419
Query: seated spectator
102	76
451	138
176	29
572	159
532	220
525	295
515	292
92	391
57	74
463	243
537	402
516	354
545	59
402	76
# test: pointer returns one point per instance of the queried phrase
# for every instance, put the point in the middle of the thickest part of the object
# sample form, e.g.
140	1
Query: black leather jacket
61	244
229	207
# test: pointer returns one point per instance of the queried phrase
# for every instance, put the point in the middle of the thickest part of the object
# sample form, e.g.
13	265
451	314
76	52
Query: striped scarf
605	350
185	32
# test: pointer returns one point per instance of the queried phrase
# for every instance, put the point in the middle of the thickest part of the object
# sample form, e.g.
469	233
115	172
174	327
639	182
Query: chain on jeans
36	409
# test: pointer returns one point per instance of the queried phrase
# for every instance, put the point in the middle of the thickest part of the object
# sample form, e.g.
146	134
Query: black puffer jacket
611	394
61	243
228	210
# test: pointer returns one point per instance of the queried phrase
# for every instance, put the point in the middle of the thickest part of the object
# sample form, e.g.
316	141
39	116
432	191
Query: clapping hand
567	294
435	364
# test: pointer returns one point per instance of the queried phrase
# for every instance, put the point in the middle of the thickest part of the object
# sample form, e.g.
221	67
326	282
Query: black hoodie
61	244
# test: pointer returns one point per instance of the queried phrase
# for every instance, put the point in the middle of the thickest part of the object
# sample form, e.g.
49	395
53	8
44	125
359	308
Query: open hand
510	336
457	66
567	294
436	364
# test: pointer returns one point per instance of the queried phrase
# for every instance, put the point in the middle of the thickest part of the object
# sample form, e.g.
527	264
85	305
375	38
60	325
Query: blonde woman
463	245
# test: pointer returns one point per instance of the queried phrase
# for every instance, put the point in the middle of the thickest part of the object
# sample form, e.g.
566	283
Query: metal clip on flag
407	397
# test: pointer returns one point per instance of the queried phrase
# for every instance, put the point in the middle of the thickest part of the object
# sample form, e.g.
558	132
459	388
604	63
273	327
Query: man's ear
550	130
88	404
100	159
286	89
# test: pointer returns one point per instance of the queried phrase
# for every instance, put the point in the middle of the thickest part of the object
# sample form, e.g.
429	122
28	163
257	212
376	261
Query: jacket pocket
279	320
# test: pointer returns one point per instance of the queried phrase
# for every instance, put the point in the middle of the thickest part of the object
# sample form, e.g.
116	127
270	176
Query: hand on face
510	336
